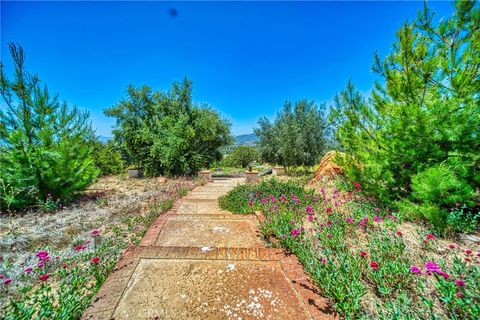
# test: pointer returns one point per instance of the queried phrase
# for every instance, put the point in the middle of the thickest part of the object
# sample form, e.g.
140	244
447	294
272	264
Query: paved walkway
199	262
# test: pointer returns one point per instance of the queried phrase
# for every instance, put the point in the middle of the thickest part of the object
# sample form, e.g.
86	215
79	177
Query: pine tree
45	145
424	114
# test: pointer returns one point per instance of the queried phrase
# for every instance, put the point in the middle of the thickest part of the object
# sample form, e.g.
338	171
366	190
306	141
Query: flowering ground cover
369	261
46	278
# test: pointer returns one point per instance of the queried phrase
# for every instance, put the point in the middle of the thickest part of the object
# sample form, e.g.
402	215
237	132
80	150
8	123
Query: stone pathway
200	262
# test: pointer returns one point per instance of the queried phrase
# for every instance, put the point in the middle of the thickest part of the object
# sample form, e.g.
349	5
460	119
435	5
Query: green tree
296	137
166	132
425	113
242	156
108	158
46	146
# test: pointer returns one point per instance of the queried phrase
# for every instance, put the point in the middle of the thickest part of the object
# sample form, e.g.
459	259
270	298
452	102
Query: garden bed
370	262
66	253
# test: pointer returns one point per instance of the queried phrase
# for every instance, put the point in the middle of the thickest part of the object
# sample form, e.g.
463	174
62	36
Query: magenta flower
80	248
329	236
363	254
264	201
377	209
7	281
95	232
309	210
1	276
292	222
324	260
272	198
468	251
42	254
310	218
374	265
415	269
28	269
294	233
377	219
315	198
460	283
431	267
349	220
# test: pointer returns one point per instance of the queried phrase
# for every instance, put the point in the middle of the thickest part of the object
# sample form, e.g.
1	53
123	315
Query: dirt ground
107	203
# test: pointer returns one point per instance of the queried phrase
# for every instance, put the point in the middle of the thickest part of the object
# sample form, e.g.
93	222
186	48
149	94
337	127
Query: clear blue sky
245	58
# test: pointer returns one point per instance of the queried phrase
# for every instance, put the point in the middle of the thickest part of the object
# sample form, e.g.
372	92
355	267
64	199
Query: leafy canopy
296	137
166	133
45	145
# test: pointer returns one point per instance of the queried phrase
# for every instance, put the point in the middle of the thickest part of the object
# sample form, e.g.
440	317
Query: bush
242	156
45	146
108	158
166	133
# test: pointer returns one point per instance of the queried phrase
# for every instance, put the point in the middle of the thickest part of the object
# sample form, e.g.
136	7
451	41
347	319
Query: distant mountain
246	139
104	139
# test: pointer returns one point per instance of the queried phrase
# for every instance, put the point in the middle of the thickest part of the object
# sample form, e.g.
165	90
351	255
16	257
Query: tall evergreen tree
424	115
45	145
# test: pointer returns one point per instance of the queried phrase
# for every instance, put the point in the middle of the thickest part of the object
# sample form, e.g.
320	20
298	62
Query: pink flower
292	222
363	254
284	236
324	260
328	210
28	269
315	198
264	201
329	236
468	251
40	264
459	294
294	233
430	236
349	220
1	276
310	218
377	209
415	269
44	277
452	246
377	219
80	248
374	265
309	210
460	283
95	232
250	203
7	281
42	254
431	267
357	185
95	260
329	223
399	233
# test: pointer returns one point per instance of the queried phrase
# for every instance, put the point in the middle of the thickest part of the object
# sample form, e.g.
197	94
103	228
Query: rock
327	167
470	237
162	180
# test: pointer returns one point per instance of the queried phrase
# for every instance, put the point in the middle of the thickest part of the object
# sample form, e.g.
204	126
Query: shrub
166	133
242	156
108	158
45	146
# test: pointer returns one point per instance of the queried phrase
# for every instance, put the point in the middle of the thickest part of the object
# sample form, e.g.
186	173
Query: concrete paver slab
211	233
195	289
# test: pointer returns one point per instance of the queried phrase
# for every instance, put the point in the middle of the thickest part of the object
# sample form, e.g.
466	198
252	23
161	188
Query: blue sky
245	58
